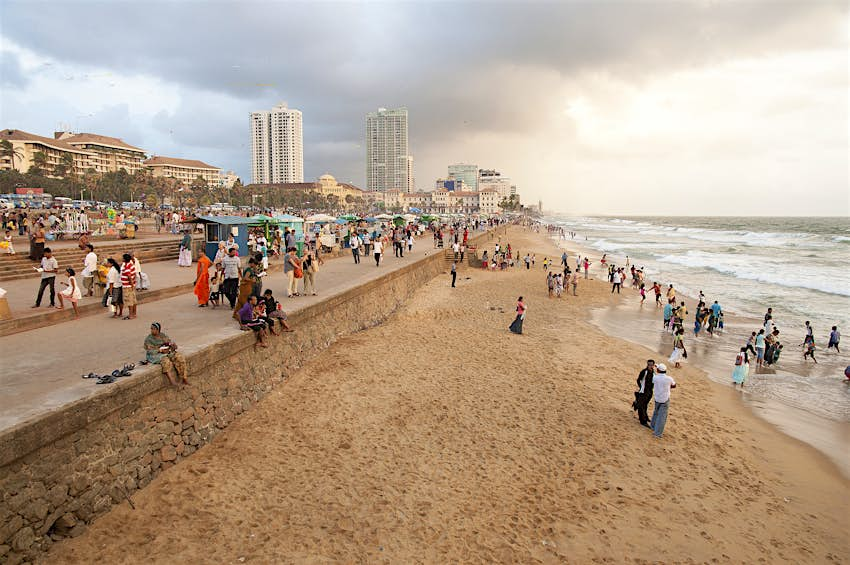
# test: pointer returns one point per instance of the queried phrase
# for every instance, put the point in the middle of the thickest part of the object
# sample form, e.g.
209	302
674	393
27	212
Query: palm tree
40	164
9	150
67	162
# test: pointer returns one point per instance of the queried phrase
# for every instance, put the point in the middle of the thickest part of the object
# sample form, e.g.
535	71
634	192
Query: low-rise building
110	154
184	170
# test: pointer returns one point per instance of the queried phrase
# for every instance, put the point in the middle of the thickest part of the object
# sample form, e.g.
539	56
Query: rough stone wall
61	471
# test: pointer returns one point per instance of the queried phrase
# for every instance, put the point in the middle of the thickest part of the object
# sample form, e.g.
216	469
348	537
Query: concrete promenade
42	368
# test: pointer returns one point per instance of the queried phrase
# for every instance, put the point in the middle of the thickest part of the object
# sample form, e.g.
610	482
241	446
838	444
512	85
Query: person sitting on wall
160	350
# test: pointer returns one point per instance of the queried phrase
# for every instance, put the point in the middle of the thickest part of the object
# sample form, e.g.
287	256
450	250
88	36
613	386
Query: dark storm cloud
459	68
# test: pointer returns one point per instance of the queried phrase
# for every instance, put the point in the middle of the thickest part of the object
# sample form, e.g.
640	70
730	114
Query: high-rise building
467	173
389	165
277	146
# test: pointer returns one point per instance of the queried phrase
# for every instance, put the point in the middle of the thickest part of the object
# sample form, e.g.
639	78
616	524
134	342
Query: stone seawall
60	471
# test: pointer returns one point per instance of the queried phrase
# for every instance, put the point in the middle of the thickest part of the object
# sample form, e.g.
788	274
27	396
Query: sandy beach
440	437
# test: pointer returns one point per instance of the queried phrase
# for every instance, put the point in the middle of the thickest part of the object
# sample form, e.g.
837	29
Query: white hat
662	368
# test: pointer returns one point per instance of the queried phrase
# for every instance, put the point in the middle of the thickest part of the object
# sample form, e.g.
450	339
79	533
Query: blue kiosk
219	228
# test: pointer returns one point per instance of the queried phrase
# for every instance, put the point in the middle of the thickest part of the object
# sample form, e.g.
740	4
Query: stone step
26	271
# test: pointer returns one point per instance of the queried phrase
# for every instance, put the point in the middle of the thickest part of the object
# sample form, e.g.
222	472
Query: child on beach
834	338
215	284
72	293
7	240
642	294
679	352
809	348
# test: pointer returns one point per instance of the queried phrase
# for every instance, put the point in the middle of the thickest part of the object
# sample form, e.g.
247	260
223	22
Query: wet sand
810	402
769	392
440	437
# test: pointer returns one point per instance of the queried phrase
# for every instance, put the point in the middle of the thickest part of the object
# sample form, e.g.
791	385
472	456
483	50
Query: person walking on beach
809	348
834	338
742	368
574	281
661	384
586	267
516	326
454	273
656	288
644	392
49	268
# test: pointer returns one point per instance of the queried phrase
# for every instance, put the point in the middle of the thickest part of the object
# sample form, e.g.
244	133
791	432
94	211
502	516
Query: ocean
797	266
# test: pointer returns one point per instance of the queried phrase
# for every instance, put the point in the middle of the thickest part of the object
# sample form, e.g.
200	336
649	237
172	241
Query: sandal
105	380
126	318
91	376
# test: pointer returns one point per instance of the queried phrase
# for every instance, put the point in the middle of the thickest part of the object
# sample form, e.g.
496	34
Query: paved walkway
21	293
42	367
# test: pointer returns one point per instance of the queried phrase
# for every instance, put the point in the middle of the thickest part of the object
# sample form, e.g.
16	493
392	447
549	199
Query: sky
618	108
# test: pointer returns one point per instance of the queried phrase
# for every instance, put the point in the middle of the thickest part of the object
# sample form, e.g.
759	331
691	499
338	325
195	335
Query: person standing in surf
742	368
834	338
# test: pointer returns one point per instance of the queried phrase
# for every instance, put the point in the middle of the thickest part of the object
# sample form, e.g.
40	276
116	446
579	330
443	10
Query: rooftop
95	139
160	160
20	135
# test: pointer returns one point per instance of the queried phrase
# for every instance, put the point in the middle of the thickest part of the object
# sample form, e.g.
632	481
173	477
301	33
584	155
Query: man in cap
661	384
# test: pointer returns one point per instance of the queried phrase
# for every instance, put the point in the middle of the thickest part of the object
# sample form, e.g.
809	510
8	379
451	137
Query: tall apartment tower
389	165
277	146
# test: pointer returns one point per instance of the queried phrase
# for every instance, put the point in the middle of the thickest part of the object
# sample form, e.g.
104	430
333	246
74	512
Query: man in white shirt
354	243
378	247
456	250
661	385
89	269
617	281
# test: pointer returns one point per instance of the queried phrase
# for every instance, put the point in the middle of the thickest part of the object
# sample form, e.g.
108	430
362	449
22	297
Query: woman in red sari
202	281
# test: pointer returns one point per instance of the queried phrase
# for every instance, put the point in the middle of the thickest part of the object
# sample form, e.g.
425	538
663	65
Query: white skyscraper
389	165
277	146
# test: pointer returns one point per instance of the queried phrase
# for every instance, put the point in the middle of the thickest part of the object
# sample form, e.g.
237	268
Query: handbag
298	273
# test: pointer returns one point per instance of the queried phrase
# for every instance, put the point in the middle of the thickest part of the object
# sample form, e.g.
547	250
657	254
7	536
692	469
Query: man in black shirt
644	392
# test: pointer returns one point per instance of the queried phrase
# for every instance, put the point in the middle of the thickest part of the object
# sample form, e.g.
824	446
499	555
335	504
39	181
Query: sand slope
441	437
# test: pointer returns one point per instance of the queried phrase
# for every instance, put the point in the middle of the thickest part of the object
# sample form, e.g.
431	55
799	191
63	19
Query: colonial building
184	170
346	194
110	154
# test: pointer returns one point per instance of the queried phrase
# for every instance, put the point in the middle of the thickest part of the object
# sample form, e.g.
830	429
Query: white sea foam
762	270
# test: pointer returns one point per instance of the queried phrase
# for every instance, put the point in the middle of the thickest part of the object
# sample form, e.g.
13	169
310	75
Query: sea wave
756	269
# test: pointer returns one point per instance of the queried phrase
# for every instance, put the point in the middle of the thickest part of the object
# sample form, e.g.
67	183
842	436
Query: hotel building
110	154
184	170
